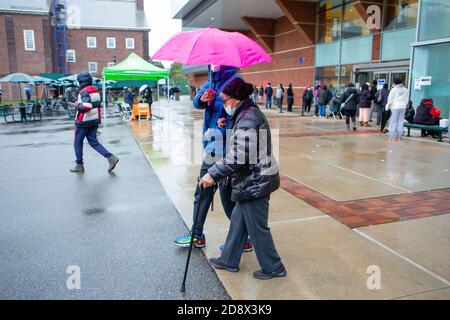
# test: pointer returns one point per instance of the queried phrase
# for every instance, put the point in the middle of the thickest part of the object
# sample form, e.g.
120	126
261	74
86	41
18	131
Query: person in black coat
364	105
269	95
290	98
350	100
254	177
308	96
373	91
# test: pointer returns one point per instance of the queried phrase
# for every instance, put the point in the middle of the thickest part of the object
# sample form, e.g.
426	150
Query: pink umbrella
212	46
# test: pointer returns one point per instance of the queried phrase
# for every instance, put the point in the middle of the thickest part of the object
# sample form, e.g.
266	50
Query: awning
134	68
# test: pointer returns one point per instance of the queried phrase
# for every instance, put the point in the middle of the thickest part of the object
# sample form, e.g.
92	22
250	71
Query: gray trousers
251	218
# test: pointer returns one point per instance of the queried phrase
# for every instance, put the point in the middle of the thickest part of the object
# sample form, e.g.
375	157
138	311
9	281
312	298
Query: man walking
87	120
269	95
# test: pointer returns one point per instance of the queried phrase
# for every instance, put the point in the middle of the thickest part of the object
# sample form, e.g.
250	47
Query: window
428	61
28	36
91	42
129	43
401	14
330	17
71	56
434	20
110	64
111	43
93	67
353	25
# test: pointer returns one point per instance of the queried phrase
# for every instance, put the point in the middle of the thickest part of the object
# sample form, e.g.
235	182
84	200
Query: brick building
335	41
99	33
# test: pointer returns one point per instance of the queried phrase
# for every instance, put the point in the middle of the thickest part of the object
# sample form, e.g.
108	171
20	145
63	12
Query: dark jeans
350	114
90	133
280	104
208	196
251	218
268	102
308	106
380	111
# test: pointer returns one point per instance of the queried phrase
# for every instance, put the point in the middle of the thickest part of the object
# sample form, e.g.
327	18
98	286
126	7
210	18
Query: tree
179	79
157	64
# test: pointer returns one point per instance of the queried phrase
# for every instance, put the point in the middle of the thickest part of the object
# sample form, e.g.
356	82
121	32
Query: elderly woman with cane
254	176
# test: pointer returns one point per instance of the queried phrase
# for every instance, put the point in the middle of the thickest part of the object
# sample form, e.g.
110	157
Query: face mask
215	68
229	110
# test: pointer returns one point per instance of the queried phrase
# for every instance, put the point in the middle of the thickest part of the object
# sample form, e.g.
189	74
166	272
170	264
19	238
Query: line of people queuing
390	105
276	95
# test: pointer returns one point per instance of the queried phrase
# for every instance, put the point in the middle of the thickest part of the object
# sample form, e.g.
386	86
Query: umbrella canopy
134	68
42	80
18	78
74	79
141	89
212	46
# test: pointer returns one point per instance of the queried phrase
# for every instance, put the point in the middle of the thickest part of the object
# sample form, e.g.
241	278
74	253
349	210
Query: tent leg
104	100
159	98
168	90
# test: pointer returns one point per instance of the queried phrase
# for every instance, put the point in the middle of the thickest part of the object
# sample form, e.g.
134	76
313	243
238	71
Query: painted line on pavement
431	273
358	174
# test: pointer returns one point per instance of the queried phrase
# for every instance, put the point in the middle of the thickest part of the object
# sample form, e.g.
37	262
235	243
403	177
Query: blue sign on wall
300	60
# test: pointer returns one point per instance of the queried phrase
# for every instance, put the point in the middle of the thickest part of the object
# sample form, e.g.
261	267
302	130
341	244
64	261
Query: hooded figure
214	144
87	119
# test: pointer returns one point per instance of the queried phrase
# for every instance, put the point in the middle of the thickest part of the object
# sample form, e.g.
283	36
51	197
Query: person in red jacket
428	115
87	120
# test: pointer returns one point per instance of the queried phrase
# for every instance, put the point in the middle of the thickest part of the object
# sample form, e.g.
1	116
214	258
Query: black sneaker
219	264
278	273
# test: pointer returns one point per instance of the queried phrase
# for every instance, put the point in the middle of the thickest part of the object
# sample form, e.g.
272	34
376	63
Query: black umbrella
385	118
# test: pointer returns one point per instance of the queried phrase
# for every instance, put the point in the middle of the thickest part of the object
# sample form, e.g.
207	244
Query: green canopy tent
133	68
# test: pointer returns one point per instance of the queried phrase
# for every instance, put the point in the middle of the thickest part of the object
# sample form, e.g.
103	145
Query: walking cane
197	209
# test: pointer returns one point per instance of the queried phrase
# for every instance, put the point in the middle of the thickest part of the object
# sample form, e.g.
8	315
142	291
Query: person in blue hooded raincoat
208	99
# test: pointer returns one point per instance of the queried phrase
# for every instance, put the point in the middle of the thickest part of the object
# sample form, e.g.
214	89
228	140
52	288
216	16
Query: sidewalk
349	204
118	229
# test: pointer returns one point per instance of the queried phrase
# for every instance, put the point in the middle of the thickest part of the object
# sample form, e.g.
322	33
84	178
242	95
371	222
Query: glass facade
434	20
400	14
353	25
396	44
430	57
344	38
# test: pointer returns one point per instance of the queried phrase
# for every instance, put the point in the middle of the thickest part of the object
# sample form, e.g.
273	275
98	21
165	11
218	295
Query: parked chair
126	111
7	111
143	110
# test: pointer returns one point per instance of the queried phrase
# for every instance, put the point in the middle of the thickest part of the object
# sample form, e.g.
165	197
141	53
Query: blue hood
215	110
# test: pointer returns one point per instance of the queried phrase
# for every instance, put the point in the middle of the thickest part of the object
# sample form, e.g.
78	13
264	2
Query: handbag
346	101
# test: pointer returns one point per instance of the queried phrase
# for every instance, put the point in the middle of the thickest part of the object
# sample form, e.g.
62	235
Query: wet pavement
117	229
357	217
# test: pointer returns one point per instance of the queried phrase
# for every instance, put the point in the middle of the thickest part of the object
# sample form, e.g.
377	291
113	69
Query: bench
439	130
33	111
7	111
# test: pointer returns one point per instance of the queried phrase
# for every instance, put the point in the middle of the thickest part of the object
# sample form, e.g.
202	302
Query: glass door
401	75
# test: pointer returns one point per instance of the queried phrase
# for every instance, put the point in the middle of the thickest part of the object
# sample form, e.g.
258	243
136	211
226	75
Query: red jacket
89	107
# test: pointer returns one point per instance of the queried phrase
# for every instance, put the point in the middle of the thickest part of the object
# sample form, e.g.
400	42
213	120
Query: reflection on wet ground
334	183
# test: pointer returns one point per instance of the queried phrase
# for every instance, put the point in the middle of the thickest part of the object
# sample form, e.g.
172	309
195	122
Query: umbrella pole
168	90
20	91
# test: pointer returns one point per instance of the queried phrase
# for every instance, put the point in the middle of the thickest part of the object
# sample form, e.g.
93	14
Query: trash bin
177	96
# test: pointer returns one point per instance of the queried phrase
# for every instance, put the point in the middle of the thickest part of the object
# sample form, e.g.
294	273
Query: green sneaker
185	241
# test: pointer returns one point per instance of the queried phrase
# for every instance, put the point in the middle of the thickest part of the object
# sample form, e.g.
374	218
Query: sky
159	17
